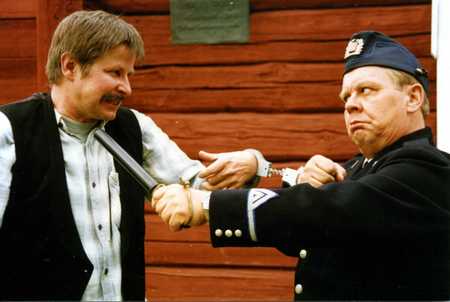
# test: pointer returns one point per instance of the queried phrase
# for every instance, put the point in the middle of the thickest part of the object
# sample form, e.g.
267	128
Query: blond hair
402	79
87	36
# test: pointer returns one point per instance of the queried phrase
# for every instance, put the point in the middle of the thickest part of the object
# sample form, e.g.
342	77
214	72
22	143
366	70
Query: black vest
41	255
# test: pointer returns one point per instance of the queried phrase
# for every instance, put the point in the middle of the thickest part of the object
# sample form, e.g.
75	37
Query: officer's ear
416	97
69	66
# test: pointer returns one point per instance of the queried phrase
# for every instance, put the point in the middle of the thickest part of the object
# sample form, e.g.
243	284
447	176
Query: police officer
378	230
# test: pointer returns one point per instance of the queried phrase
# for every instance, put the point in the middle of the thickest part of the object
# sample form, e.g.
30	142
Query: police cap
370	48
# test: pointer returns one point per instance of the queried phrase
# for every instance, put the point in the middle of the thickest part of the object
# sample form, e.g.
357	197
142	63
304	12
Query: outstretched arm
229	170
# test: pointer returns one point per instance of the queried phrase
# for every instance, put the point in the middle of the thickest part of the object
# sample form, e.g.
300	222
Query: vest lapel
60	202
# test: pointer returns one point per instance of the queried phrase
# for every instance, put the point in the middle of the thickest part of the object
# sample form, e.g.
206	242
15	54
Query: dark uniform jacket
383	233
41	255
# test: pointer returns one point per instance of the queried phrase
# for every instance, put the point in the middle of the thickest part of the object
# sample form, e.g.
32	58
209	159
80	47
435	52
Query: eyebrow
363	82
118	66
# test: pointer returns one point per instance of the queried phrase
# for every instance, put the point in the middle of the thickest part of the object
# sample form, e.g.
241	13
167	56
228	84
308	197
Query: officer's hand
227	170
320	170
179	207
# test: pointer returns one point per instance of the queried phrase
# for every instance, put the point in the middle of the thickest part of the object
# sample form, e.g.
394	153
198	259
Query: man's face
99	93
375	108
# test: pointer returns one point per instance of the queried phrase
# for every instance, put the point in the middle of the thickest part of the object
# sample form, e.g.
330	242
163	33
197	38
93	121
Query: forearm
162	158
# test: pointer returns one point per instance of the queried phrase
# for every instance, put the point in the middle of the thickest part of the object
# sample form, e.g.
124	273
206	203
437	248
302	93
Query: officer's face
98	94
375	108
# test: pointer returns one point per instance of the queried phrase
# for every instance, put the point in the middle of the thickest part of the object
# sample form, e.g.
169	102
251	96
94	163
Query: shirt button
298	289
106	271
303	254
93	184
100	227
238	233
218	233
228	233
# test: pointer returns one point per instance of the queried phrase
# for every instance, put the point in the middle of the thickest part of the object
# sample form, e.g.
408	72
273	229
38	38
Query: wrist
263	166
200	205
300	173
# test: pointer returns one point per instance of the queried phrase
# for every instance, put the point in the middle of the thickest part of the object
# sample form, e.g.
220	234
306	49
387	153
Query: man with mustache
71	220
378	230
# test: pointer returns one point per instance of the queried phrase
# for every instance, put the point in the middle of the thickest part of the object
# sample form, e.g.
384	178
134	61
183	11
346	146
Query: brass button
303	254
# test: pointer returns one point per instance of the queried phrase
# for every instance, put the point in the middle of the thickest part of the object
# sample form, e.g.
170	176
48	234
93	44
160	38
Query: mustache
112	97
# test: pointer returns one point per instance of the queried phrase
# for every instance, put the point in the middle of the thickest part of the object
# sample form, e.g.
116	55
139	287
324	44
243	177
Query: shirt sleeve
7	159
163	159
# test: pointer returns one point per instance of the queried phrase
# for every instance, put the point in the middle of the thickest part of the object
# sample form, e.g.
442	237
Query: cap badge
354	47
421	71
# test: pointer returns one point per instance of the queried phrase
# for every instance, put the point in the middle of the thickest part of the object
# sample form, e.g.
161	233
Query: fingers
213	169
158	192
226	183
175	220
326	165
178	206
172	219
324	176
236	185
159	206
172	205
315	183
341	173
175	217
320	170
232	169
206	156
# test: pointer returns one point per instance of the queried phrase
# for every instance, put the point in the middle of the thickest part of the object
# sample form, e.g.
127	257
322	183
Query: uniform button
100	227
298	289
85	270
228	233
238	233
218	232
106	271
93	184
303	254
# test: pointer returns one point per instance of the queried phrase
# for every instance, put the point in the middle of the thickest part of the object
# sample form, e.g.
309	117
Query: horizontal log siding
277	93
162	6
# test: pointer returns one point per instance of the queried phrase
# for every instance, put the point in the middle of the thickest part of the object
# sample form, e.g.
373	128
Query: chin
363	139
108	111
108	116
359	137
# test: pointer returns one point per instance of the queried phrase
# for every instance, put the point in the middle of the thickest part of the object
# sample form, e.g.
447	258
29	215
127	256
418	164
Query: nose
124	86
353	104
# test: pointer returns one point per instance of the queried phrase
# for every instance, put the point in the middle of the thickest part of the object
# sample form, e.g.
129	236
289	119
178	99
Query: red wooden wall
277	93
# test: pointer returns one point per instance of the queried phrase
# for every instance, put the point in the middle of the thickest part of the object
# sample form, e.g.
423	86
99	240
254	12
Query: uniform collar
423	136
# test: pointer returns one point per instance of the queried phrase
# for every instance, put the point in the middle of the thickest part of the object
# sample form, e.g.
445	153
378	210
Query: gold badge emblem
354	47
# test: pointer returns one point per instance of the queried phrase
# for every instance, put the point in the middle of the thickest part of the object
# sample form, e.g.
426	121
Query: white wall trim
440	49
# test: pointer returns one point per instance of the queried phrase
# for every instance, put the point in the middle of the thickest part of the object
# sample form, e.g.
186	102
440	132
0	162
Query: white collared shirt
94	191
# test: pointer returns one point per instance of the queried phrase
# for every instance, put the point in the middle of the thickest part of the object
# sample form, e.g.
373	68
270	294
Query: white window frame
440	49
